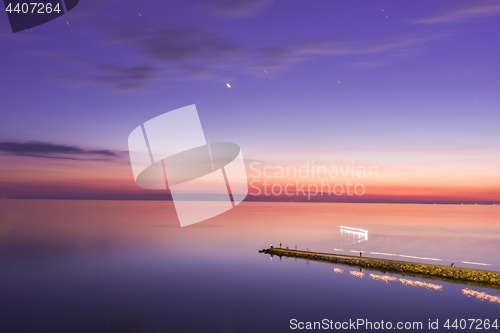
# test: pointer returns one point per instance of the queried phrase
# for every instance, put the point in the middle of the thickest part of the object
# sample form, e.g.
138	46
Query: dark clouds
190	53
119	78
190	50
193	46
179	53
50	150
180	49
185	45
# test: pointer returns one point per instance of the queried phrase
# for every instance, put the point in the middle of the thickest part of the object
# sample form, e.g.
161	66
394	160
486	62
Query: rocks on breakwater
455	273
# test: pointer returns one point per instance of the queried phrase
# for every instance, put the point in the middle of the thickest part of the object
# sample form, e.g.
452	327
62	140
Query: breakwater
398	266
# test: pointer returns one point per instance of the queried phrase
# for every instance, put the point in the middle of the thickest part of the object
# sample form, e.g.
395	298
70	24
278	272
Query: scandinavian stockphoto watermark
204	179
310	180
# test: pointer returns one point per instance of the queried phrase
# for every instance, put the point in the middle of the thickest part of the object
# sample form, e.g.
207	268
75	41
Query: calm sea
126	266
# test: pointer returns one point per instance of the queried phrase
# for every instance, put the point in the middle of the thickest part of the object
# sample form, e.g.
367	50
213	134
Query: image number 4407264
25	15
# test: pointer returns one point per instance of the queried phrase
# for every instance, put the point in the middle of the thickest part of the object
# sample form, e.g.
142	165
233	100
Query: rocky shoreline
441	271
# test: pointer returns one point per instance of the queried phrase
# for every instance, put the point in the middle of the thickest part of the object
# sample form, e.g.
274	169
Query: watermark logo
170	151
309	180
25	15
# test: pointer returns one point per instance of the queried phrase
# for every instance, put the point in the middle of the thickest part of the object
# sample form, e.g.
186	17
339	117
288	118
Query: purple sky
418	91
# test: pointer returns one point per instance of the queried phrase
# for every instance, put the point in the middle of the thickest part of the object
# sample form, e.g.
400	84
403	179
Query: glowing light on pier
405	256
423	258
421	284
357	274
480	295
475	263
353	235
346	228
385	254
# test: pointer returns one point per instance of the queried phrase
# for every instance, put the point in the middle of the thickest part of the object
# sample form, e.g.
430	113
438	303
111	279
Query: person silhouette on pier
280	245
360	254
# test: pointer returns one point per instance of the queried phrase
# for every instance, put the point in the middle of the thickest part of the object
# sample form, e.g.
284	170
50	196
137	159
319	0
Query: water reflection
338	270
352	235
421	284
357	274
480	295
407	282
383	278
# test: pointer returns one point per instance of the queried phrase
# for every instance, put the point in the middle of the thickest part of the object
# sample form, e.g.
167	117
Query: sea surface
127	266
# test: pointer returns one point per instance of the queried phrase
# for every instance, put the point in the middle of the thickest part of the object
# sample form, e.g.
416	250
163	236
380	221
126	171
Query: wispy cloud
279	57
236	8
185	48
471	9
185	52
50	150
119	78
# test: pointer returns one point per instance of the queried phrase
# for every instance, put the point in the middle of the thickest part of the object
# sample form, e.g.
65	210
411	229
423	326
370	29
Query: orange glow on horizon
19	174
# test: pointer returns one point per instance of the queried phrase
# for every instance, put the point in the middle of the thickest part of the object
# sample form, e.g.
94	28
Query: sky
409	88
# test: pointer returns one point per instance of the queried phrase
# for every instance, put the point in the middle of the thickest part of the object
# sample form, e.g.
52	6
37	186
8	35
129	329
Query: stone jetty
477	276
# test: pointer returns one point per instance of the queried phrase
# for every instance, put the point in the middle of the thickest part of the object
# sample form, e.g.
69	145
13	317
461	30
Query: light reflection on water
357	274
421	284
406	281
481	295
78	265
383	278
